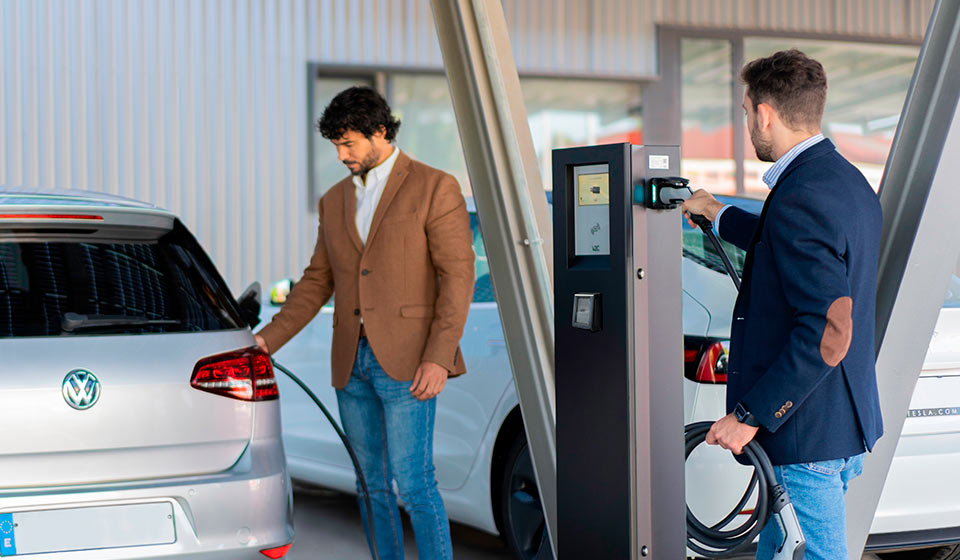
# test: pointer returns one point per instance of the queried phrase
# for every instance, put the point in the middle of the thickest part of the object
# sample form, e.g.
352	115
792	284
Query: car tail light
245	374
278	552
713	365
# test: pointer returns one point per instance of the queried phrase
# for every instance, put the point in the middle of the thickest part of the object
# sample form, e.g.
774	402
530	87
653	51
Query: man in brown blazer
394	243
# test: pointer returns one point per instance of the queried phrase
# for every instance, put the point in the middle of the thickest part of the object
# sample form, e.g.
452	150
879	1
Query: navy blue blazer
802	355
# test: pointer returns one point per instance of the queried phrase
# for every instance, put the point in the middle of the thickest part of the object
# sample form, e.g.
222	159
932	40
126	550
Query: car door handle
497	343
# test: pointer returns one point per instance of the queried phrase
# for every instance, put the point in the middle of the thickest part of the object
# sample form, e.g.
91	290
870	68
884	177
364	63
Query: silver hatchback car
138	419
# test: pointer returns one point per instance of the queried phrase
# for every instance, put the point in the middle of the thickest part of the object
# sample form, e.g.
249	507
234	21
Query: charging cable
346	443
772	500
707	227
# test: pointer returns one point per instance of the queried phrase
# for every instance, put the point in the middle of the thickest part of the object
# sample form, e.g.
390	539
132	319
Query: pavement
329	528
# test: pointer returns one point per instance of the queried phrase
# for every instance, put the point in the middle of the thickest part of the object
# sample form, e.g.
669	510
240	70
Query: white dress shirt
370	191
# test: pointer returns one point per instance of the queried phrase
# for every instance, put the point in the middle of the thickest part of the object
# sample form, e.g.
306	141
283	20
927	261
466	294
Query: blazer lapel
397	176
350	214
812	152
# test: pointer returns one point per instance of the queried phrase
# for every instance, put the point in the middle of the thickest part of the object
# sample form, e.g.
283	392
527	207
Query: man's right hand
702	203
261	343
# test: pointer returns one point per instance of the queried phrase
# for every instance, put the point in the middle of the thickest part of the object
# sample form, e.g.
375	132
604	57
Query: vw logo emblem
81	389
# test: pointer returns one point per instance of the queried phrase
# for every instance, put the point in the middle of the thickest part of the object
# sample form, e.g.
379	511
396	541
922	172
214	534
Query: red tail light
278	552
713	365
245	374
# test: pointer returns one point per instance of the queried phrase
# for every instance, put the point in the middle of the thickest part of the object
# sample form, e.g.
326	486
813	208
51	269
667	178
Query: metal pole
920	198
513	213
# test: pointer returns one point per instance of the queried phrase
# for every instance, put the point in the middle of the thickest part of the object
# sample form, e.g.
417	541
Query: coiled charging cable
346	443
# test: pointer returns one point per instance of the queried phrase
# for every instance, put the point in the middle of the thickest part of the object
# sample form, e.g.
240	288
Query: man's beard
763	147
367	164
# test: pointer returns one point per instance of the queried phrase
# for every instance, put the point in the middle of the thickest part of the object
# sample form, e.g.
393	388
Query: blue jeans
392	434
816	490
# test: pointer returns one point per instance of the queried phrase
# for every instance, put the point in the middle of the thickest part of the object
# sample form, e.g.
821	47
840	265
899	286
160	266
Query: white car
483	468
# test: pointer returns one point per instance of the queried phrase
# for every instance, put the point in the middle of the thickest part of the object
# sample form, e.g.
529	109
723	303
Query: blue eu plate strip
8	544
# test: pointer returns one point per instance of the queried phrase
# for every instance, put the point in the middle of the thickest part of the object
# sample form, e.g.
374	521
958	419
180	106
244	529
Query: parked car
139	421
483	467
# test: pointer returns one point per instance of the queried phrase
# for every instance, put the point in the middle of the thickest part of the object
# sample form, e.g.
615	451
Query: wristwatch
744	417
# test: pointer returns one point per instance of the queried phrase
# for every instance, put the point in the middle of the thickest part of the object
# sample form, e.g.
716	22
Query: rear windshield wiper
73	322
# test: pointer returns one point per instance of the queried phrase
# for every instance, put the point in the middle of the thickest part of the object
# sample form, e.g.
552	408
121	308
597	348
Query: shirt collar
772	175
380	172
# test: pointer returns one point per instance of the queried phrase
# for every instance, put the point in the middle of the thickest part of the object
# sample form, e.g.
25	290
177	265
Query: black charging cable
713	541
346	443
707	227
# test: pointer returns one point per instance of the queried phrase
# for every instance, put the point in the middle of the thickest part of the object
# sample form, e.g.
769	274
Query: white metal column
920	195
513	213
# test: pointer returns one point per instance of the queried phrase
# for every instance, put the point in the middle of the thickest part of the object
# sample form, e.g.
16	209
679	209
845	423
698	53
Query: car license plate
61	530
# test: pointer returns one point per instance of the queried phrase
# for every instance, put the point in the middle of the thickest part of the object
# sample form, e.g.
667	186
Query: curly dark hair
792	83
361	109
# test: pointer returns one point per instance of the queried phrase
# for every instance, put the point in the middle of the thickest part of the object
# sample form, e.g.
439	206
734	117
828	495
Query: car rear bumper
233	514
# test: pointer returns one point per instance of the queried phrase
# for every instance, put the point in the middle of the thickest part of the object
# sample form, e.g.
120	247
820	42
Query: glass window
867	84
428	130
167	285
325	169
706	114
482	288
568	113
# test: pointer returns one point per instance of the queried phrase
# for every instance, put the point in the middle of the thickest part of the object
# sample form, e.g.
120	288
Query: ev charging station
619	342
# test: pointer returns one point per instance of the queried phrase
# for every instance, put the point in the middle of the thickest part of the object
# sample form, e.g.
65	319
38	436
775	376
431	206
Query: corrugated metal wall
199	105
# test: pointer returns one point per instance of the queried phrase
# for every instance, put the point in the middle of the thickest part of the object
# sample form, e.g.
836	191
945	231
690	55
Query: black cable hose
346	443
714	541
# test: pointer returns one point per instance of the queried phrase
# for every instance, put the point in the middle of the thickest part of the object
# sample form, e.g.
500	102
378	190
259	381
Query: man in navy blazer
801	376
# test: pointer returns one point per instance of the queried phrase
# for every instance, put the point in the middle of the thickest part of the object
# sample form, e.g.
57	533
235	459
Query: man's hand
428	381
701	203
261	343
730	434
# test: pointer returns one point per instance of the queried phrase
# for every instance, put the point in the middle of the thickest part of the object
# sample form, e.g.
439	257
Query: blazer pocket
400	218
416	311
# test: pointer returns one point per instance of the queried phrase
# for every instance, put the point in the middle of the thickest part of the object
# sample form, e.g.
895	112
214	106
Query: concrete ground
329	528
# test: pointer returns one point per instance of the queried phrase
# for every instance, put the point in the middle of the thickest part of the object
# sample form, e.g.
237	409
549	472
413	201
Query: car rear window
169	281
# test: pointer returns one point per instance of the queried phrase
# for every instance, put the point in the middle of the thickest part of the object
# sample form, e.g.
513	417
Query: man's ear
381	133
765	116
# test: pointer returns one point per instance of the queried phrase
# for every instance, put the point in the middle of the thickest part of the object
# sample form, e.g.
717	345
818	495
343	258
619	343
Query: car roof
45	206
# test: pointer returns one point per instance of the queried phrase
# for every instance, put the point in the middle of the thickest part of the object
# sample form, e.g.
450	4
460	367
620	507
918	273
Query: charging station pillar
619	355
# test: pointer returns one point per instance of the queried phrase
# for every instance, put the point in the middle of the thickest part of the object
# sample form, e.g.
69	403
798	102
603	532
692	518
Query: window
428	130
561	113
325	168
707	117
568	113
867	84
482	288
169	282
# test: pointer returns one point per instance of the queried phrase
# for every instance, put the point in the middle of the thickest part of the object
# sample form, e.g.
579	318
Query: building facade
206	107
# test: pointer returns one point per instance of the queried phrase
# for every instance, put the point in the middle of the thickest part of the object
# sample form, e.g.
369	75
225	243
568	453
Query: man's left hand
428	381
730	434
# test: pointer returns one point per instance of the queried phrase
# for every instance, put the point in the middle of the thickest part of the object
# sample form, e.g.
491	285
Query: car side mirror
280	291
249	303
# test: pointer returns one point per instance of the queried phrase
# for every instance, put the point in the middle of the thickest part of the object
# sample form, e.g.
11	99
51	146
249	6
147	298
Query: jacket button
778	415
356	311
788	404
364	272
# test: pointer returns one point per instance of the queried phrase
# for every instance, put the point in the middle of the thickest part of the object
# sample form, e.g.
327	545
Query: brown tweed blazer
412	282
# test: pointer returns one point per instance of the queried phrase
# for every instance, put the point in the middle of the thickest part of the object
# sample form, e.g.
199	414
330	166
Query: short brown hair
792	83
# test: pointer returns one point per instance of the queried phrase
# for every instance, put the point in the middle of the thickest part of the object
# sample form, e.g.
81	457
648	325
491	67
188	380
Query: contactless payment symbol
8	545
